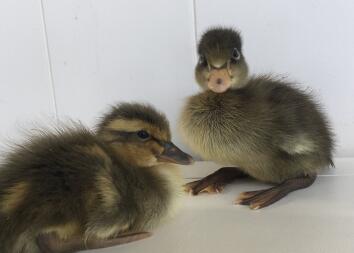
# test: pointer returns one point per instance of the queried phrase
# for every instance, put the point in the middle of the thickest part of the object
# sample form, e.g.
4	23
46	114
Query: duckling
77	189
259	126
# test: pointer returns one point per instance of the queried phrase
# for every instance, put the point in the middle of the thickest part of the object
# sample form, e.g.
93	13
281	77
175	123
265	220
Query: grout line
49	61
195	27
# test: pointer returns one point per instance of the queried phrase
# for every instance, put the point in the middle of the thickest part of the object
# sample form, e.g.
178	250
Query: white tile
318	219
308	41
25	91
108	51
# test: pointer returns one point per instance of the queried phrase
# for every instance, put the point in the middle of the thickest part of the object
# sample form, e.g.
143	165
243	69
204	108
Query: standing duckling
265	128
75	189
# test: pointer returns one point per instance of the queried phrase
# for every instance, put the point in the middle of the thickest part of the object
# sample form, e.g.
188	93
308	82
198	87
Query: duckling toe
259	199
203	186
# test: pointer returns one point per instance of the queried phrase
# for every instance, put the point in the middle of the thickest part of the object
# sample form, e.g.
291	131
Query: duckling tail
15	238
14	241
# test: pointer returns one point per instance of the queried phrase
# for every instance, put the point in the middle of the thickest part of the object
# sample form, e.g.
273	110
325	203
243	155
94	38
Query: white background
73	58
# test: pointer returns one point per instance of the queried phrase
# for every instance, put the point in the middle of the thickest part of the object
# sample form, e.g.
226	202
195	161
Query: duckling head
221	64
140	135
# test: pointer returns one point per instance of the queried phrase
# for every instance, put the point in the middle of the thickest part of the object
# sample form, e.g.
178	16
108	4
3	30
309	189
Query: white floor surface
317	219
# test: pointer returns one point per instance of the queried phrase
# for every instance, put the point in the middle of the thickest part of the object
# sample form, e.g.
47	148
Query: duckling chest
222	131
156	198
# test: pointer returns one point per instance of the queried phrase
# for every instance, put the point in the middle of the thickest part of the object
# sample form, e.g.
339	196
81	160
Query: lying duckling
269	129
74	189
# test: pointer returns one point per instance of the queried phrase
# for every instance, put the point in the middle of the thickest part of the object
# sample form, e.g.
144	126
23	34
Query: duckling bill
265	128
76	189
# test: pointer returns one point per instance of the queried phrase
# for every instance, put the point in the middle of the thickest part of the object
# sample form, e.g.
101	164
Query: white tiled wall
108	51
25	85
76	57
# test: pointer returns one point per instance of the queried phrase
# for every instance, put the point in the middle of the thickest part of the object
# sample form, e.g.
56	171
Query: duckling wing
298	144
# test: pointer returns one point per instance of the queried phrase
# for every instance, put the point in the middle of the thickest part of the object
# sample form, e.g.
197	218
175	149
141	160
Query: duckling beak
173	154
219	80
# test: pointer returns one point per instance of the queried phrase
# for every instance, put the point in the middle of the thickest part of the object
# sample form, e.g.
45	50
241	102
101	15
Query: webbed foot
215	182
262	198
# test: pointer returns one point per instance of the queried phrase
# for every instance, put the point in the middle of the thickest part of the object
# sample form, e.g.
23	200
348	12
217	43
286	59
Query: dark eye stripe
123	136
160	142
121	133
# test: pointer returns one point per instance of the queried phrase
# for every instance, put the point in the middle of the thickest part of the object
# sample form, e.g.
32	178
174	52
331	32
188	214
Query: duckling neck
171	183
218	105
171	174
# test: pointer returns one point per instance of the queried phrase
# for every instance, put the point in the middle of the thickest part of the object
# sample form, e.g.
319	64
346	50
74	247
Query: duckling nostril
219	81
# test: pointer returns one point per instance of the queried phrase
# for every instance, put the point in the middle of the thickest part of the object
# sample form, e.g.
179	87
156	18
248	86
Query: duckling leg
50	243
262	198
215	182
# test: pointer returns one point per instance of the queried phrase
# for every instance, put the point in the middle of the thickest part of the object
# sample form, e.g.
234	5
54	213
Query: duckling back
36	189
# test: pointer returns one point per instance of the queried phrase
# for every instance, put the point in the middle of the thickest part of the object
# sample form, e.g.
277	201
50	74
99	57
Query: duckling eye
142	134
202	60
235	55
